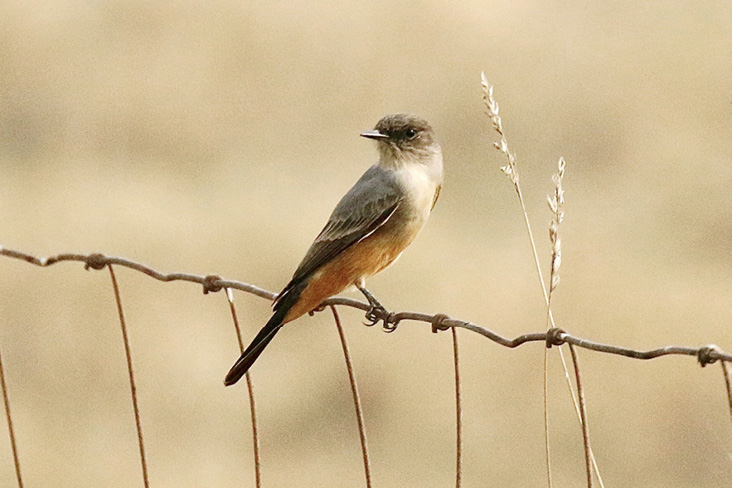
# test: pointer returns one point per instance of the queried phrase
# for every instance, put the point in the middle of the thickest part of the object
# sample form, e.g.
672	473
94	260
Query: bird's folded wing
365	208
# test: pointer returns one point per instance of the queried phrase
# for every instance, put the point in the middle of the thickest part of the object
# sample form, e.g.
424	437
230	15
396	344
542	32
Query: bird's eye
410	133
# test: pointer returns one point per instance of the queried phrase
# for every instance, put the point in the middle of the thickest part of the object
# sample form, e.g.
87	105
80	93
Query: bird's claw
374	314
390	323
377	314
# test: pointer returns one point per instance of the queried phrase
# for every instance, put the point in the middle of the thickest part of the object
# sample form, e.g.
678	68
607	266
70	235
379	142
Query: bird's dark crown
405	129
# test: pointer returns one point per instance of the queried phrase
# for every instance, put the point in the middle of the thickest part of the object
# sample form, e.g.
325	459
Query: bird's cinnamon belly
361	260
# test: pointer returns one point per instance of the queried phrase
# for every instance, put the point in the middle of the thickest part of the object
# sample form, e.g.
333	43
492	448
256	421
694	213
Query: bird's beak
374	134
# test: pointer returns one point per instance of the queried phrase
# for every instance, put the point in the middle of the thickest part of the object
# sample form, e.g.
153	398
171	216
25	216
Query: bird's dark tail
287	299
242	365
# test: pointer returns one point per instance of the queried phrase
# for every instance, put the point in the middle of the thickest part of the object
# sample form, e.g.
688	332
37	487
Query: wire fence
705	355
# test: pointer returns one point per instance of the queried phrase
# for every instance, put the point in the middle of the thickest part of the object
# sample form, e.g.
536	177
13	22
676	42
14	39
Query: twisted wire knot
96	261
707	354
211	284
437	321
554	337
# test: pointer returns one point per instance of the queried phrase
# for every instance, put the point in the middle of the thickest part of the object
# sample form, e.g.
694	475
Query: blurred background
216	137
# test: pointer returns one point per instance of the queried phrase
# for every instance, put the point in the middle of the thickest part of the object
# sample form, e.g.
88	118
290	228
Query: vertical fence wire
250	392
458	413
728	382
9	418
133	388
583	416
356	398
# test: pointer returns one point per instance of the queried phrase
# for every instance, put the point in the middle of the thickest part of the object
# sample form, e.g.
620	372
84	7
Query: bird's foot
377	312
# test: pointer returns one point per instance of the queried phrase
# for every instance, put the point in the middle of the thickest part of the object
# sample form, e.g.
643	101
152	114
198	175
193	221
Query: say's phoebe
368	230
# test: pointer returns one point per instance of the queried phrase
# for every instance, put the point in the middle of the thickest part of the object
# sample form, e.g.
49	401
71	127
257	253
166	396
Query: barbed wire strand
458	412
133	389
250	392
356	397
583	412
11	432
705	354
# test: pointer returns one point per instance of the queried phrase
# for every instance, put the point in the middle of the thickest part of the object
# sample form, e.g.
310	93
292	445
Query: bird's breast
419	185
386	244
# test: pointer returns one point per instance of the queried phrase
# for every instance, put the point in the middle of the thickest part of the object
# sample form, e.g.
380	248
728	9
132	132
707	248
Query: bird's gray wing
365	208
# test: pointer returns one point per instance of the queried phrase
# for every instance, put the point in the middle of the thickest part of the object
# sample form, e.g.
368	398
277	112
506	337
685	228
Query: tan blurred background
216	137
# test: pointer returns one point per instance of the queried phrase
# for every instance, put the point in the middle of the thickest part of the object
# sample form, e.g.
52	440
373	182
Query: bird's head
404	136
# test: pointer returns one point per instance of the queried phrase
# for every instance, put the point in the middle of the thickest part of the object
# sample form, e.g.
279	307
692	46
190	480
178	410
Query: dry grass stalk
511	171
502	145
556	205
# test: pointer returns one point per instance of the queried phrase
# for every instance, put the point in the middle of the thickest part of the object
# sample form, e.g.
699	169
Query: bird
368	230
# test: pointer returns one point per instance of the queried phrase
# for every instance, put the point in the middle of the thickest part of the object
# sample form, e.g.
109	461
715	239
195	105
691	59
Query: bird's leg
371	314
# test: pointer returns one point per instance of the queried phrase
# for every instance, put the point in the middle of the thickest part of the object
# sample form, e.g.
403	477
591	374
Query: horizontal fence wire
706	354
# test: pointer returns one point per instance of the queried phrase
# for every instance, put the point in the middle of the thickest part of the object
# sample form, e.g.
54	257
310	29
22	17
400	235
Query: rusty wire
131	374
458	412
250	394
356	397
11	432
728	384
437	325
583	416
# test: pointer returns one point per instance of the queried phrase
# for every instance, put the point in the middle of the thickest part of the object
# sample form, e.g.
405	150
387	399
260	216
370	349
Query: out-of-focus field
215	137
